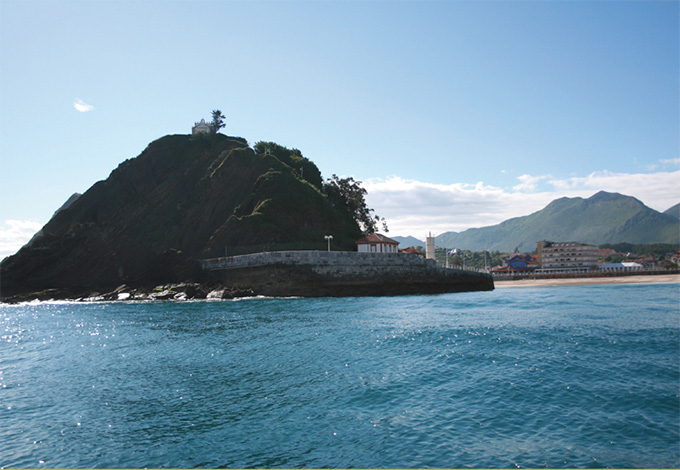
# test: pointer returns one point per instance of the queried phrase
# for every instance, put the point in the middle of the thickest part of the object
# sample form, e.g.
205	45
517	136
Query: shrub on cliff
303	167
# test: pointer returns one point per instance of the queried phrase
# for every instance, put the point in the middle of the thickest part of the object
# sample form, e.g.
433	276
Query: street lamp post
328	239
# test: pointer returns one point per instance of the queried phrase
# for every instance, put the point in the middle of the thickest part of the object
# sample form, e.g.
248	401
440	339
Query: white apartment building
566	256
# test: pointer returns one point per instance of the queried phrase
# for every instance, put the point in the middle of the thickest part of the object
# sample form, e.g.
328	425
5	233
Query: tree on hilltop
348	193
217	122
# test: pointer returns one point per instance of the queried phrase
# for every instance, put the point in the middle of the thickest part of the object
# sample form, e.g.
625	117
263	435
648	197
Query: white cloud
671	161
528	182
81	106
16	233
415	207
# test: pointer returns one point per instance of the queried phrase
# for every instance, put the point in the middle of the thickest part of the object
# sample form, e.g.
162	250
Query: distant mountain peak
605	217
604	196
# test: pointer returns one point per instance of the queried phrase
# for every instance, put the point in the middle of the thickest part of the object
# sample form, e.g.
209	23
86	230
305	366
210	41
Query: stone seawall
322	274
335	259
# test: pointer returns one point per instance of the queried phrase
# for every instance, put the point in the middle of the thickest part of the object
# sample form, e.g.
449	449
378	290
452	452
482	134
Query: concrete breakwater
341	273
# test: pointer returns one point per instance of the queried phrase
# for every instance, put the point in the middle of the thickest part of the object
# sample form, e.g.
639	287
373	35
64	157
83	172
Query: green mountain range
673	211
602	218
184	198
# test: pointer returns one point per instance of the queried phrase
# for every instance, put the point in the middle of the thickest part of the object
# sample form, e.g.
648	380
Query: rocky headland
142	232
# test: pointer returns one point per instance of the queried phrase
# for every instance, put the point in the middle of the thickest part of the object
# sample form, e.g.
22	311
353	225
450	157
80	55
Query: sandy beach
657	279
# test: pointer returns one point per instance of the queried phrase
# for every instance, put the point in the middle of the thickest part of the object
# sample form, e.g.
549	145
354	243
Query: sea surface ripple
581	376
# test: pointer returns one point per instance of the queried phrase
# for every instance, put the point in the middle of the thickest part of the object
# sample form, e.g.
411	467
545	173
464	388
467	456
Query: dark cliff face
184	198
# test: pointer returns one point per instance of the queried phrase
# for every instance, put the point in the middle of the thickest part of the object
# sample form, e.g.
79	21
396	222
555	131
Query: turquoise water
583	376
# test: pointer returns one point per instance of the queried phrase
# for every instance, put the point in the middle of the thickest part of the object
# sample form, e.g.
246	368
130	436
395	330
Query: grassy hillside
281	211
602	218
673	211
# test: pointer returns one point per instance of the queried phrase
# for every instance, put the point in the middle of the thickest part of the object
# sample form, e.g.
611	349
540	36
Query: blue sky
454	114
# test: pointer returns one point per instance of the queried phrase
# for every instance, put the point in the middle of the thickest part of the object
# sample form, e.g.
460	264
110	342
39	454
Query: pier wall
341	273
326	262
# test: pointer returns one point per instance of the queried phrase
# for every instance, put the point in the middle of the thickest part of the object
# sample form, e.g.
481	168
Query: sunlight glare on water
584	376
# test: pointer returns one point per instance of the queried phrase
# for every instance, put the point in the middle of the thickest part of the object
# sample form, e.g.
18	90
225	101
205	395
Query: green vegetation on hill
280	212
303	167
673	211
654	249
602	218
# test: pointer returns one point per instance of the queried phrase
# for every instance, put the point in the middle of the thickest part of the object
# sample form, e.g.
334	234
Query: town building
520	262
566	256
676	258
621	267
200	127
377	243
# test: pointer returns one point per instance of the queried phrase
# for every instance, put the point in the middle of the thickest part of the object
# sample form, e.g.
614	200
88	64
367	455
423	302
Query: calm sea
583	376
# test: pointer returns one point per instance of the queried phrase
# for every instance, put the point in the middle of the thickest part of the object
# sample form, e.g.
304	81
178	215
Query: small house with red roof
377	243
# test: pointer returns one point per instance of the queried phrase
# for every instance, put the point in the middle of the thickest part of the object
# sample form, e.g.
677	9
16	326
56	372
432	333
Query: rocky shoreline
274	281
285	274
124	293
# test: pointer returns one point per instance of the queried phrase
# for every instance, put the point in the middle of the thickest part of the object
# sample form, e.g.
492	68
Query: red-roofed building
376	243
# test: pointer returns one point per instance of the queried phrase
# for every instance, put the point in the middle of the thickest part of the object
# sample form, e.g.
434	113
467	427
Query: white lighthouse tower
429	246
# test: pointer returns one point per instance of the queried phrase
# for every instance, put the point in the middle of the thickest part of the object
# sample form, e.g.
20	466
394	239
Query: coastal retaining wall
337	273
323	262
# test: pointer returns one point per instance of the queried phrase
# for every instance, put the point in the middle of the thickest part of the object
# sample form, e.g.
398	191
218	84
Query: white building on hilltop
200	127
